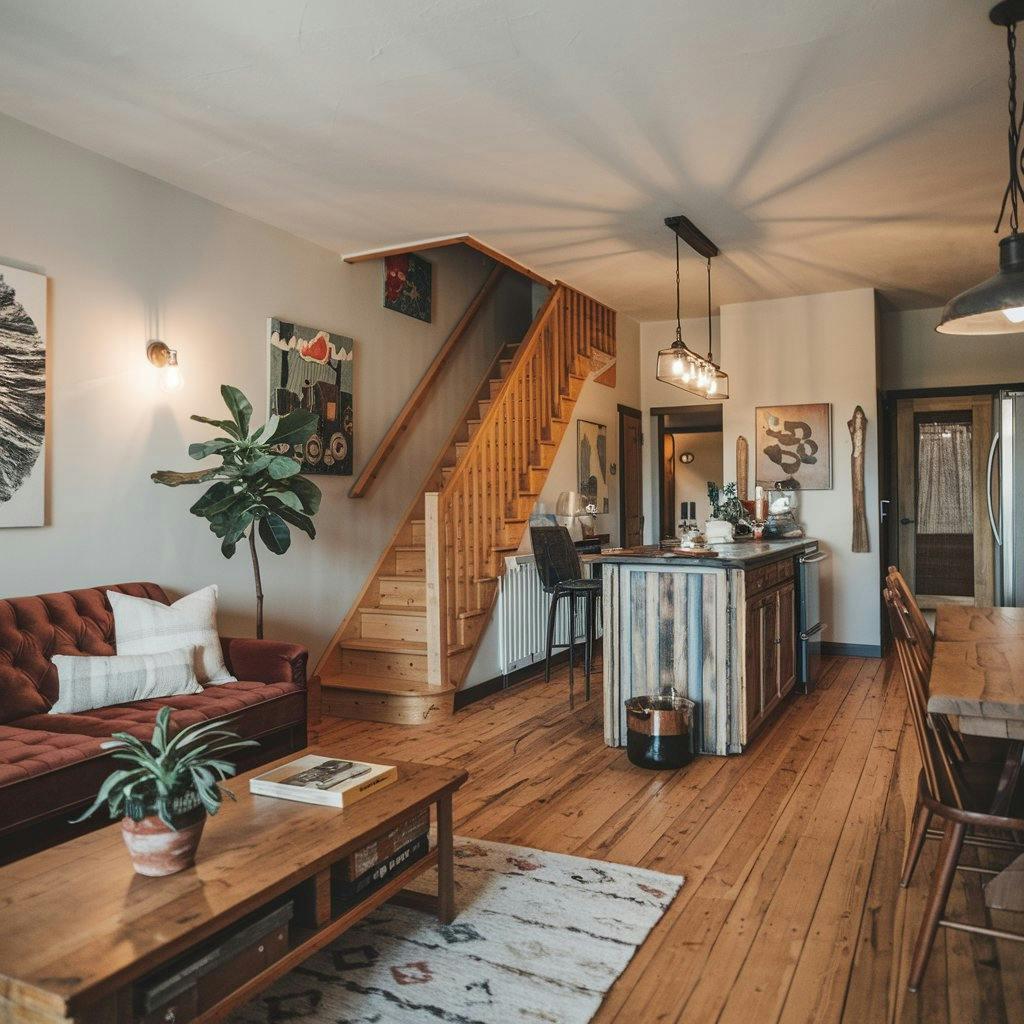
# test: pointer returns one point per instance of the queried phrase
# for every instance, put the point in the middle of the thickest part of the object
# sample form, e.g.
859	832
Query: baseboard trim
471	694
852	650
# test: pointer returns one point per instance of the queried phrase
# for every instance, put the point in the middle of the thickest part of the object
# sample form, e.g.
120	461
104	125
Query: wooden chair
957	792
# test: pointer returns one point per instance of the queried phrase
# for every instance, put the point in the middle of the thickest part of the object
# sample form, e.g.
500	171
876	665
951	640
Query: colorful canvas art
311	369
408	285
22	397
794	443
592	463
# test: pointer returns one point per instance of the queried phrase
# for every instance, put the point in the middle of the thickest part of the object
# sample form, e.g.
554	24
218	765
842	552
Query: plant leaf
308	493
303	522
202	449
283	499
293	428
274	533
239	406
218	492
258	465
170	478
282	467
226	425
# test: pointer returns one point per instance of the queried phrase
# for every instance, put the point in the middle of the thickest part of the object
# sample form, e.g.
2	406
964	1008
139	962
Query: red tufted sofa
51	766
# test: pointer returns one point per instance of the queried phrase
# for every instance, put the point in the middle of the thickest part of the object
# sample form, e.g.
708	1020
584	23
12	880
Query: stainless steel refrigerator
1006	497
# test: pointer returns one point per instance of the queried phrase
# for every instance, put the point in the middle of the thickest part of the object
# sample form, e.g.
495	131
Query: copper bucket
659	730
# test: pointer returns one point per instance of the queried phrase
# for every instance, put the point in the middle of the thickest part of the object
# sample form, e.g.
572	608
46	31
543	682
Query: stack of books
368	868
324	780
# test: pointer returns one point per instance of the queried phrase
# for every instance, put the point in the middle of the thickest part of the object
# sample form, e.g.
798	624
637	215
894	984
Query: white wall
656	394
914	355
130	258
815	348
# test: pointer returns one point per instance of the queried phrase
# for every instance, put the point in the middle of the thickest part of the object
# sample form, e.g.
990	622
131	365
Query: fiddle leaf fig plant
257	488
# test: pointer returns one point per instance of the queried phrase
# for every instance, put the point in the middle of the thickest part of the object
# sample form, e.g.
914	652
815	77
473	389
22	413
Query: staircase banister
525	351
401	423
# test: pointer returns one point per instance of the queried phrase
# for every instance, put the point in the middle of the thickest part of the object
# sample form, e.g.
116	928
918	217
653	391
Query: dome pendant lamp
996	306
678	364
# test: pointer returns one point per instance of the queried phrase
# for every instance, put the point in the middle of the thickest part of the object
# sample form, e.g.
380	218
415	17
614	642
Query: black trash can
659	730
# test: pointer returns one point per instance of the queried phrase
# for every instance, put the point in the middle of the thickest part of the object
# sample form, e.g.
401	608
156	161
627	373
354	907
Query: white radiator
522	613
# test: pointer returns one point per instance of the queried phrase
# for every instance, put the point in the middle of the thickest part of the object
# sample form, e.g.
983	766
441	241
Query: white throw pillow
142	626
88	682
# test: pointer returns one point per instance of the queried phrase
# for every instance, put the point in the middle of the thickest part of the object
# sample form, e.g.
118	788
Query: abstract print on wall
794	444
311	369
592	463
408	285
22	397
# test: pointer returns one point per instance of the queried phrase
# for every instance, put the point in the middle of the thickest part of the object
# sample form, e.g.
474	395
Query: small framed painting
592	463
794	443
408	284
22	397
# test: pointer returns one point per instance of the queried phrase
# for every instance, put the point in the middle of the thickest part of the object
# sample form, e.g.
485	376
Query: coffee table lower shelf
304	942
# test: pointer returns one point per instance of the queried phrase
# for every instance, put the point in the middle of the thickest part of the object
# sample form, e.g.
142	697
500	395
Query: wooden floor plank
791	910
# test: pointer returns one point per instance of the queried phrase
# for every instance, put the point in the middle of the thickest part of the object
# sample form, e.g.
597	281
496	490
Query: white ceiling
822	144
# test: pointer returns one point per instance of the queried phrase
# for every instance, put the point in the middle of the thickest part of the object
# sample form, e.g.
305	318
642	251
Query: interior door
631	519
667	485
944	541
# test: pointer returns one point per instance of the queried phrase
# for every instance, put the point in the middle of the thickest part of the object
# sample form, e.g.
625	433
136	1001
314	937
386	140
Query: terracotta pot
158	850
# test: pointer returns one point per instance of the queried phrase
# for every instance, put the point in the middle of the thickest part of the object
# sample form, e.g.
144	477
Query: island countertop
741	554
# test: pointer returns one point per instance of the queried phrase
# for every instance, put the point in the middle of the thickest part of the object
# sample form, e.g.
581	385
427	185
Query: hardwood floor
791	910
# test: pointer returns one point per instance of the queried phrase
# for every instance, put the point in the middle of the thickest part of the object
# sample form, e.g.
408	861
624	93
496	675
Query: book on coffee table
329	781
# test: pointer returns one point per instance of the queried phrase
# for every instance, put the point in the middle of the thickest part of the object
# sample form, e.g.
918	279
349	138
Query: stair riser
384	663
398	710
410	561
394	626
400	594
520	508
470	629
417	533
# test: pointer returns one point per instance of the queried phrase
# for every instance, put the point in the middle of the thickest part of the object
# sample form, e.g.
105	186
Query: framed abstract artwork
311	369
408	285
592	463
22	397
794	443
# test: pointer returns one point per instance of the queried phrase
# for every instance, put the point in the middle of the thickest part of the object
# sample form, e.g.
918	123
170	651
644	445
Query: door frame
900	418
624	411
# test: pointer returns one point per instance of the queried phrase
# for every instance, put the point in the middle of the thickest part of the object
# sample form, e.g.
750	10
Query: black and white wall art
22	397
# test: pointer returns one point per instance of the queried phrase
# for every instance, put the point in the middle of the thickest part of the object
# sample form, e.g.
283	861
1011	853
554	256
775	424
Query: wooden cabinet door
752	667
770	652
786	622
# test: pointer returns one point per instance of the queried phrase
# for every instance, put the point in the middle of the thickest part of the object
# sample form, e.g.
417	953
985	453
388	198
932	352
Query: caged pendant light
678	364
996	306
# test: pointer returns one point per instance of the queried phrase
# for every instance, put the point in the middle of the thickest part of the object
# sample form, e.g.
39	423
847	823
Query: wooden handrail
390	440
467	526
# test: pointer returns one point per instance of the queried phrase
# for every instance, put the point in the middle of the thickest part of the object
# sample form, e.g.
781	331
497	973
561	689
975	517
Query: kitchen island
720	630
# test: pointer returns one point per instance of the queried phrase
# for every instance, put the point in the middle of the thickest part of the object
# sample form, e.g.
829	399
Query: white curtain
945	499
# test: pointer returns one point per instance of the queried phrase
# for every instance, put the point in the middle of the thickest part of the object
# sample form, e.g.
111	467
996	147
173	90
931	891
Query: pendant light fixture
678	364
996	306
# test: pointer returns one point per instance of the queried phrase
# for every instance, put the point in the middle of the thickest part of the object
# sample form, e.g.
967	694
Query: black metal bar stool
561	575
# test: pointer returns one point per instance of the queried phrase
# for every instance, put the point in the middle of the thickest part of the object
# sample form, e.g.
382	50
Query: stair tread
410	547
362	643
404	577
380	684
418	610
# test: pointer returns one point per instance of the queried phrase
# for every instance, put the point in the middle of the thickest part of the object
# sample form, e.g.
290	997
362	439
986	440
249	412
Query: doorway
631	501
690	454
943	544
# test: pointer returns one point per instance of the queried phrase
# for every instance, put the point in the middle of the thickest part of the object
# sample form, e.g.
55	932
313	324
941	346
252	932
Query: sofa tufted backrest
34	629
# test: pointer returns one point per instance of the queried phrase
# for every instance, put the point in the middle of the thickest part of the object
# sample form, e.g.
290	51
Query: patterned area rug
539	937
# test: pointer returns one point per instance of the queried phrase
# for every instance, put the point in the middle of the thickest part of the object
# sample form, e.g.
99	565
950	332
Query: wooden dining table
977	677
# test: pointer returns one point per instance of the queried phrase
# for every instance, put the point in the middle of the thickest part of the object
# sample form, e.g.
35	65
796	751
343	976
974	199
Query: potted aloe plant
169	786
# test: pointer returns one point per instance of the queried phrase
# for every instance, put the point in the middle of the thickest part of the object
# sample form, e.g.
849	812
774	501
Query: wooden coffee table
81	931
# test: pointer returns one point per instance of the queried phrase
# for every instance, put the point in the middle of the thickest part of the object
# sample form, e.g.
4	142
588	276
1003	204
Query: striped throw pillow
87	683
142	626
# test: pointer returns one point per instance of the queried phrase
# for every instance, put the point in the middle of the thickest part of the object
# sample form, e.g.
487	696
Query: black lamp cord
710	360
679	320
1014	190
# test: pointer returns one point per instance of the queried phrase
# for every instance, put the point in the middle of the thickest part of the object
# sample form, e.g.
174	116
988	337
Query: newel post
437	593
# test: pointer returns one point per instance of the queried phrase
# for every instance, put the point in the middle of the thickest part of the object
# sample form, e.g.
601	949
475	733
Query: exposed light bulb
677	367
687	373
171	379
712	386
1015	314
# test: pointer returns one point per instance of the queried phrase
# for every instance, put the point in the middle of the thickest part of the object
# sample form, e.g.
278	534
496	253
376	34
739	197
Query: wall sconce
166	360
686	458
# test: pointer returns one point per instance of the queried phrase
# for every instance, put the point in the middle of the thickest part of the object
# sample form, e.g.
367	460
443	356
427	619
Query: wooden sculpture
742	464
858	425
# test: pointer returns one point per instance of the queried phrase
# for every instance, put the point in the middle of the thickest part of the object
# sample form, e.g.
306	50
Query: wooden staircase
409	639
